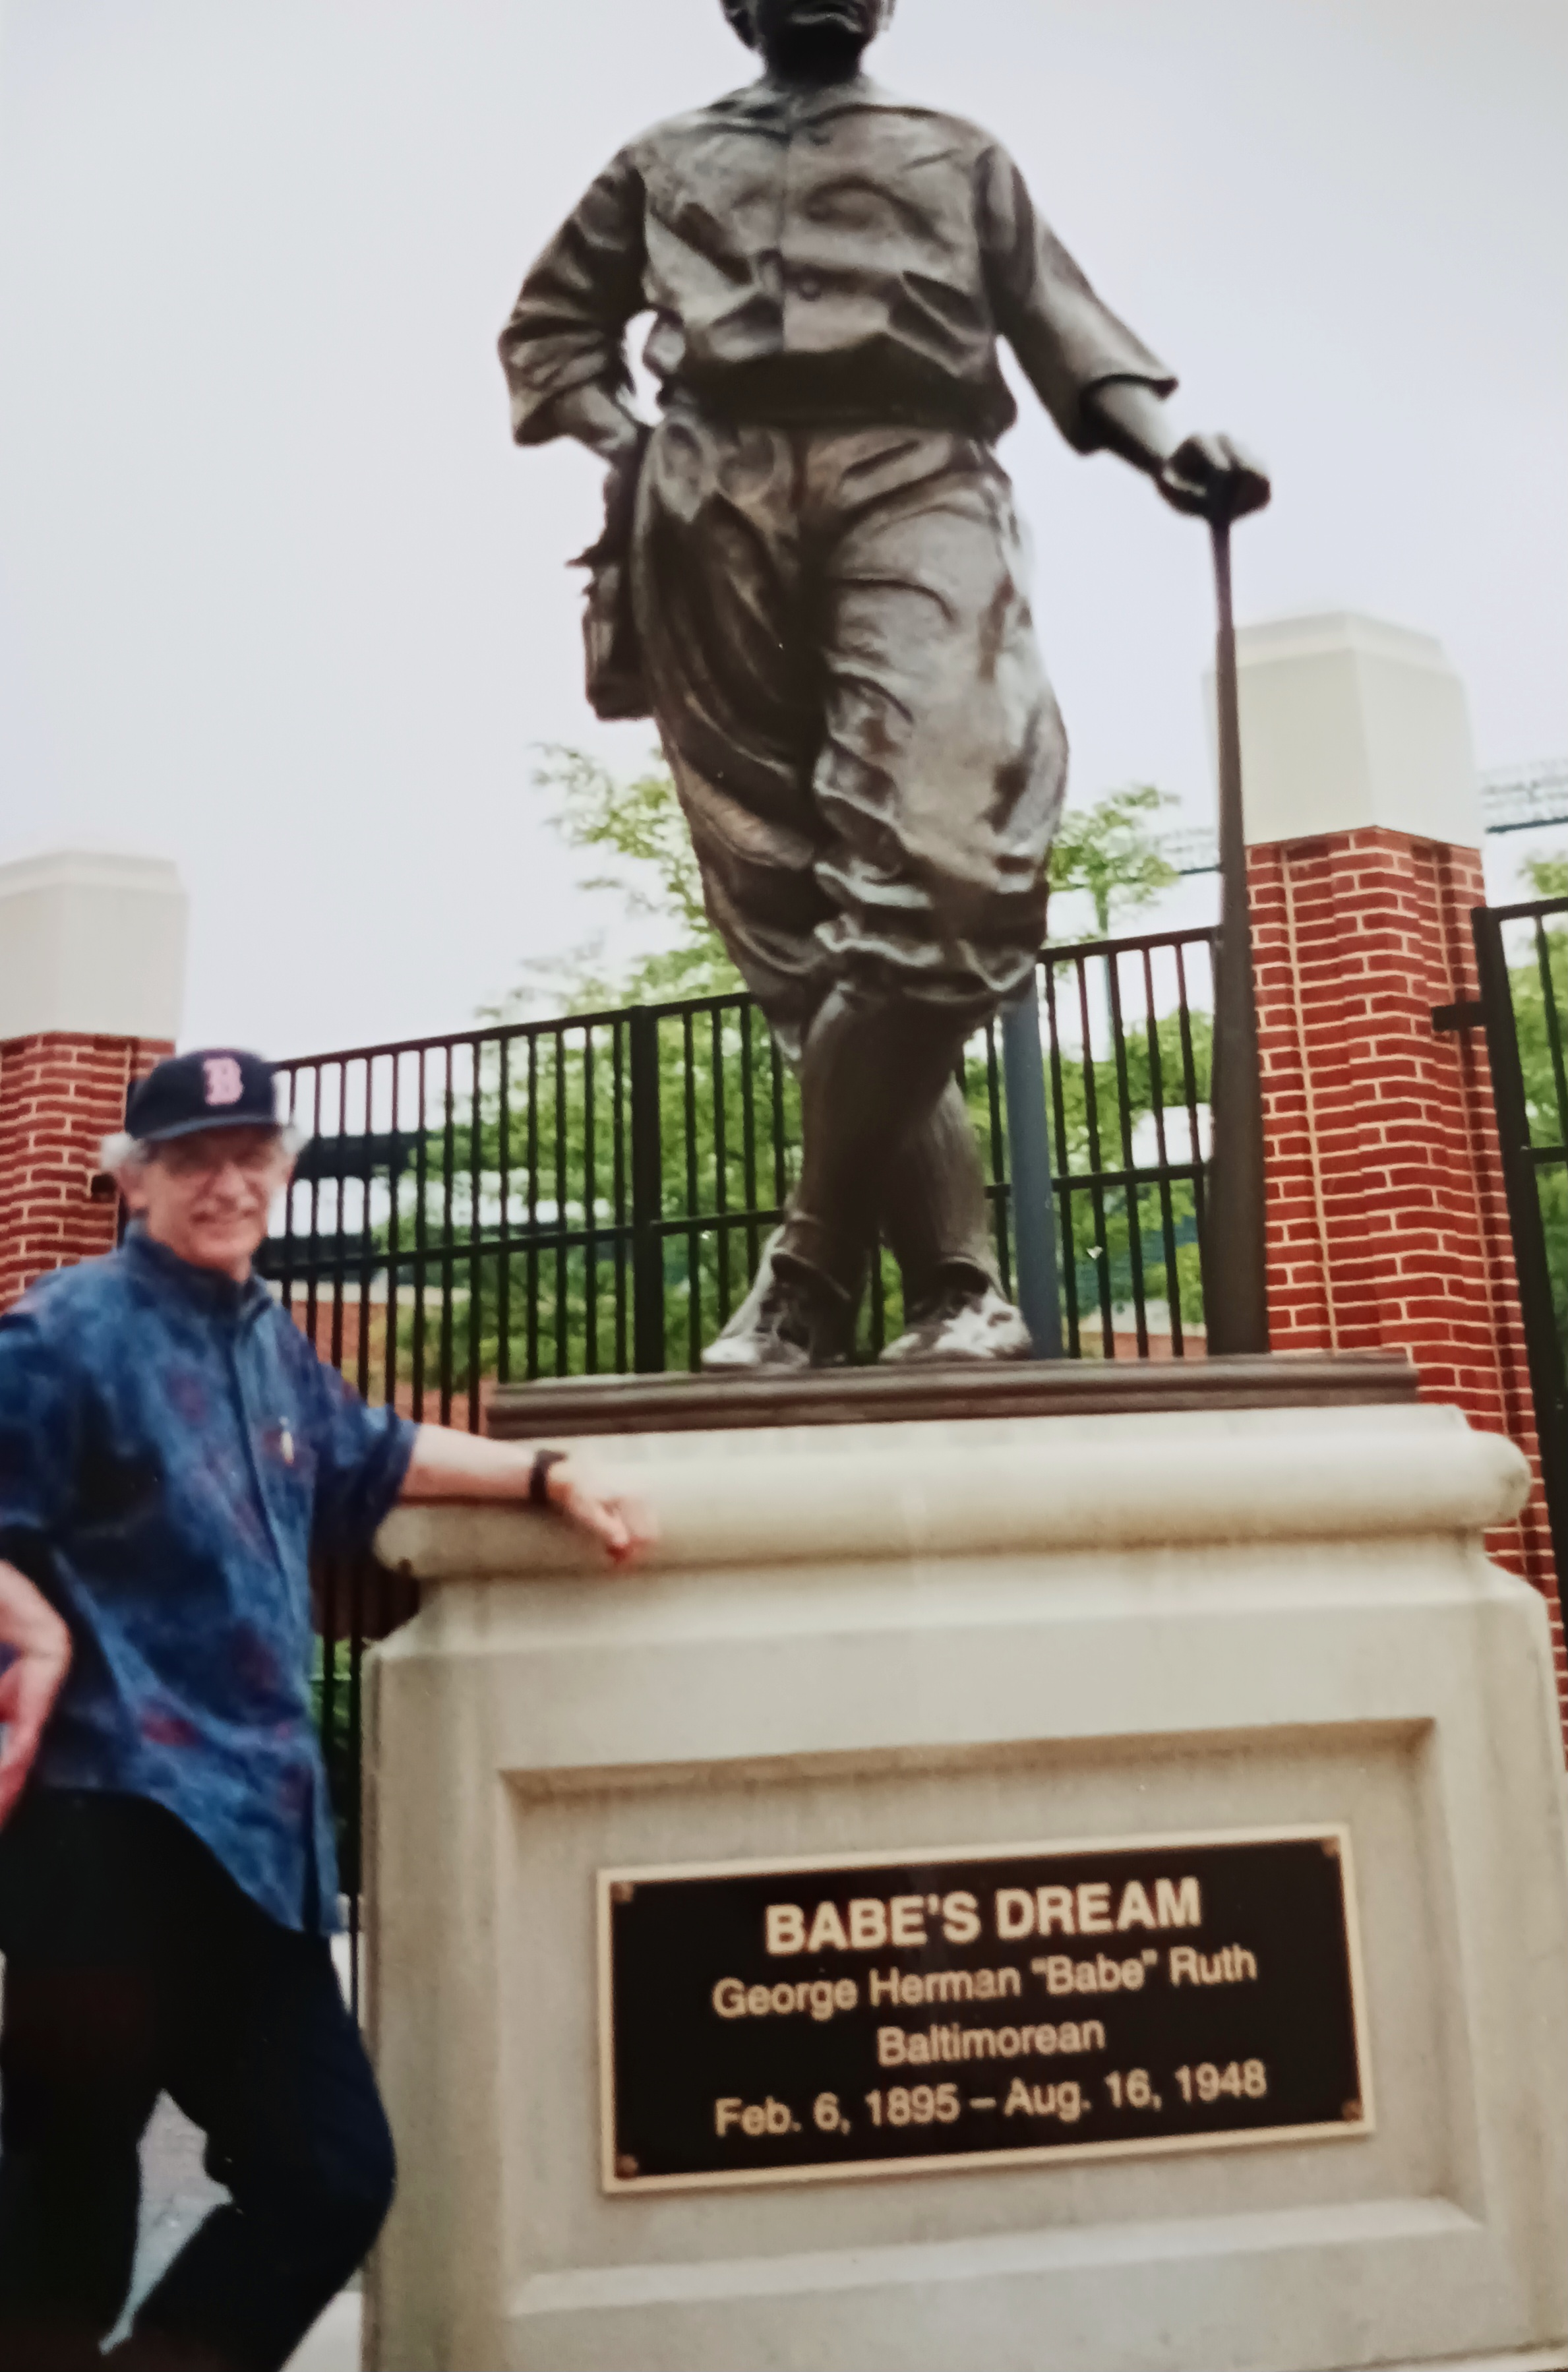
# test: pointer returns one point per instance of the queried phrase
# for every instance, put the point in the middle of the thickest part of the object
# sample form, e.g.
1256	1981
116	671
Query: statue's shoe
965	1324
788	1319
771	1340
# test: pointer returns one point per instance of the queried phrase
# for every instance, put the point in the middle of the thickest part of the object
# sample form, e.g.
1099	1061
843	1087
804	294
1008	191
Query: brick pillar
61	1094
1387	1223
92	957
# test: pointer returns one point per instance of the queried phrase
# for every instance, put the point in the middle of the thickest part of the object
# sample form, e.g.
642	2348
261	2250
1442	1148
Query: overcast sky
278	599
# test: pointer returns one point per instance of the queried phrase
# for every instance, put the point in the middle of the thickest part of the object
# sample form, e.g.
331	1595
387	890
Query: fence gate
1521	964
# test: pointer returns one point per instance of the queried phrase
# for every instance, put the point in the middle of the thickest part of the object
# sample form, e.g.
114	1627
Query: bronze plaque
899	2013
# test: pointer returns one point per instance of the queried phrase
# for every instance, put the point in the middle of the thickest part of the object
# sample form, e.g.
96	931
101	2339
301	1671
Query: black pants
133	1966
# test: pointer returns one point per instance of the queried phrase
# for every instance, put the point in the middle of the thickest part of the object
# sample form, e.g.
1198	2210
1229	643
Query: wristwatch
538	1476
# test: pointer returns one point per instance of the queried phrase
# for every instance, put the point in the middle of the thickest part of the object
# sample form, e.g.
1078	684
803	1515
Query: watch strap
539	1475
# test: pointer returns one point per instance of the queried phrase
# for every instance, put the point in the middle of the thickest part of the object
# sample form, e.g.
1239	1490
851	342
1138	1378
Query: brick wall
59	1095
1387	1225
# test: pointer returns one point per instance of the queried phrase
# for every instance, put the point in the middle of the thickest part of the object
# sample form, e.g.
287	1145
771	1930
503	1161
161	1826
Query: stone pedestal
929	1635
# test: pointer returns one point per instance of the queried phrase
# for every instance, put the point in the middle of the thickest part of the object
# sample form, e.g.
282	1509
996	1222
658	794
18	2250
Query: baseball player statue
812	577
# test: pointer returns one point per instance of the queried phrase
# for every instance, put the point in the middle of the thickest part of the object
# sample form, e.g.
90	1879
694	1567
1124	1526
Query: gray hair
122	1151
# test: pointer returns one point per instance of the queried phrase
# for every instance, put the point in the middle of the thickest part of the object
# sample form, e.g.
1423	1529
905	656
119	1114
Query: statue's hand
620	501
1214	478
620	488
597	418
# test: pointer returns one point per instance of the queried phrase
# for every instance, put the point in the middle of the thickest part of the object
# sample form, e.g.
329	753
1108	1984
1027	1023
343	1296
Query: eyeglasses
254	1152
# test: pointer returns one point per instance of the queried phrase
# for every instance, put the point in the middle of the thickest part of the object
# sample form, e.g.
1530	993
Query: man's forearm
450	1465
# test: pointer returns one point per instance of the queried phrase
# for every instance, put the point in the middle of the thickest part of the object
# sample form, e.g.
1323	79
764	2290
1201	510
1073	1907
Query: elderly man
828	580
170	1452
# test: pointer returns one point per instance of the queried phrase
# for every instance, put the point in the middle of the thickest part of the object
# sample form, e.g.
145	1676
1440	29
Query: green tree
1107	852
1111	853
1547	874
651	873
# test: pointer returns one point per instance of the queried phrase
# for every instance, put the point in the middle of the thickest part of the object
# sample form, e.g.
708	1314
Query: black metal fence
589	1196
1522	965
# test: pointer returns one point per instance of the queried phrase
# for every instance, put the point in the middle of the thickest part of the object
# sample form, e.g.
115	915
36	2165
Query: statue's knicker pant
838	643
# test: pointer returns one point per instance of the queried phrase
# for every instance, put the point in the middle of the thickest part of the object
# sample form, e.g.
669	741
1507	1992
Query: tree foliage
1109	852
1547	874
648	867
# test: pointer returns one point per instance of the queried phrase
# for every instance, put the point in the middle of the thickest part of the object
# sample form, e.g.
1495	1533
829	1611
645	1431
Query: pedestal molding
993	1489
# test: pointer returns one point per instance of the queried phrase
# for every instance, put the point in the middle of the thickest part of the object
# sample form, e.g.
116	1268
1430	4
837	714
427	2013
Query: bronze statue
811	575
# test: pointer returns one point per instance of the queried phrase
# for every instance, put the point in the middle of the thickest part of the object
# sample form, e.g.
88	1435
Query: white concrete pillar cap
93	945
1349	723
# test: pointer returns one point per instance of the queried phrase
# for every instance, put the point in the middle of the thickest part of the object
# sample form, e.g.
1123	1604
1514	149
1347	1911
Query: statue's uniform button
809	286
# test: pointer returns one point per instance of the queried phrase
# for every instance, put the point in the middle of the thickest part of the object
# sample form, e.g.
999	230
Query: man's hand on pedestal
617	1519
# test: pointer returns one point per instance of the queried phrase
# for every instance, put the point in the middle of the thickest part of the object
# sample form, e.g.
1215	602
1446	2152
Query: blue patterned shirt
171	1451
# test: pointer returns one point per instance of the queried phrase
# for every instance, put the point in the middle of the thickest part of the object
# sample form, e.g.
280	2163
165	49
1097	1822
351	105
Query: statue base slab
579	1406
915	1642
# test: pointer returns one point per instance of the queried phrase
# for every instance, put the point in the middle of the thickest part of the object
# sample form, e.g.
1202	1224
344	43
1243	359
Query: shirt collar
765	101
206	1289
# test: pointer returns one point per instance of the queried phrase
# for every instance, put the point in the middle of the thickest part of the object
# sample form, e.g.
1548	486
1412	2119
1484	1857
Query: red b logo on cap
224	1083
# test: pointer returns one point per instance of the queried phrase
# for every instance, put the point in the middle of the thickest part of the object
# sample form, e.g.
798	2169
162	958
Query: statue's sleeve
567	326
1067	341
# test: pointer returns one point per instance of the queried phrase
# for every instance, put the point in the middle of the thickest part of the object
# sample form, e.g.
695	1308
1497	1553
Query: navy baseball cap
219	1087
